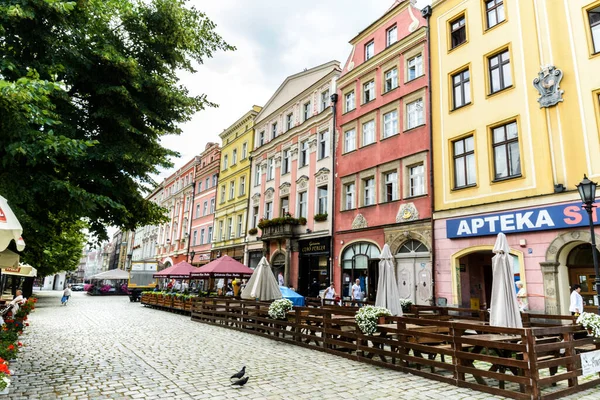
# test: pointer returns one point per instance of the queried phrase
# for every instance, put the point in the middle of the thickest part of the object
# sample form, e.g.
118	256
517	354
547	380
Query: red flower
20	332
19	344
26	323
11	347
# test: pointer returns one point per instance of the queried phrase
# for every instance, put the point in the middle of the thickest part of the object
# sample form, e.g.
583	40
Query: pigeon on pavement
238	375
240	382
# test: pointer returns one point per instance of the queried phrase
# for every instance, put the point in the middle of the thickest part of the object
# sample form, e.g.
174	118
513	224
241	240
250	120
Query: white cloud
274	39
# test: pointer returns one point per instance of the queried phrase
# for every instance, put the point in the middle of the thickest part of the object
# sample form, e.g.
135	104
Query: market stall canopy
10	227
111	274
263	285
23	270
9	259
295	298
223	267
181	270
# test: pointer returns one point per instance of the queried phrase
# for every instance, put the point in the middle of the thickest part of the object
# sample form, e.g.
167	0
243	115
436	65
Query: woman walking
576	306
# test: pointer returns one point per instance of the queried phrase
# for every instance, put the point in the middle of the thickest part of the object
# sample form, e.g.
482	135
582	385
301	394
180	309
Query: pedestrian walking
66	295
280	279
522	297
356	293
576	306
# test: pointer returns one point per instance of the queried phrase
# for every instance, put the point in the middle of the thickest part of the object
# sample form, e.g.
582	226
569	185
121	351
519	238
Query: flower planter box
178	304
187	305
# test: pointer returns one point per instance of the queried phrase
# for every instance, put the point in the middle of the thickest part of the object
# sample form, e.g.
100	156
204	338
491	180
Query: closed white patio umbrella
388	295
262	285
504	310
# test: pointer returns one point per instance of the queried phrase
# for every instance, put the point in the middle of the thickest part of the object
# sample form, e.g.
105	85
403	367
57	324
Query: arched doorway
278	264
360	261
413	272
580	264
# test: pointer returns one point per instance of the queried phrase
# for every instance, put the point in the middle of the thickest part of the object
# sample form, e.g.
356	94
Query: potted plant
279	308
406	305
321	217
252	231
367	318
591	322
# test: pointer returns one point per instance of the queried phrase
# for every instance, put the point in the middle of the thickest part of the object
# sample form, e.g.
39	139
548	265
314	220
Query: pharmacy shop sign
561	216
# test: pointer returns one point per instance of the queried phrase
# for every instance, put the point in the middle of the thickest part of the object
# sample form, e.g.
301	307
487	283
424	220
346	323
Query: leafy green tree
87	90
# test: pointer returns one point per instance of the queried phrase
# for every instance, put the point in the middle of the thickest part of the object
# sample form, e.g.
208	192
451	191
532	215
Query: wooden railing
167	303
450	345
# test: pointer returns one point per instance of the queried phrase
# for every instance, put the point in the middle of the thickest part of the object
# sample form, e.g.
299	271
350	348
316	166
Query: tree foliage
87	90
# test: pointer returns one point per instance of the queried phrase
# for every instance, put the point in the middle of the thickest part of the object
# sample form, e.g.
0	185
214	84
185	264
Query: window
390	124
204	208
239	226
391	79
306	111
302	204
209	238
244	151
229	228
368	91
242	185
350	140
594	18
458	31
221	230
285	206
369	185
202	236
461	89
369	50
274	131
222	193
285	163
350	103
269	210
254	216
391	36
212	206
415	115
350	190
199	186
323	145
231	190
391	186
208	183
304	153
464	162
494	10
225	161
214	180
500	77
257	175
417	180
507	160
198	210
324	100
289	121
261	138
322	200
415	67
234	157
194	238
270	169
368	133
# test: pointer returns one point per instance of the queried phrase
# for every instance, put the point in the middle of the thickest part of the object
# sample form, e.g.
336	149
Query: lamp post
587	191
192	254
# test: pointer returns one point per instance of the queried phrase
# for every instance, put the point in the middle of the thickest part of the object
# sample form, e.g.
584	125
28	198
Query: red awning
223	267
180	270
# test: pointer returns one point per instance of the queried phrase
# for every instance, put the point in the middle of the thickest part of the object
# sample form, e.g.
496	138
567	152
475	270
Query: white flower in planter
279	308
366	318
590	321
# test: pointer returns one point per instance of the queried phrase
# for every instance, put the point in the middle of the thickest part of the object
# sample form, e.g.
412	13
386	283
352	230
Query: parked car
77	287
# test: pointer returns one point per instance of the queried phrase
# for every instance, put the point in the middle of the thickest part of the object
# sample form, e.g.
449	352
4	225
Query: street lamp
192	254
587	191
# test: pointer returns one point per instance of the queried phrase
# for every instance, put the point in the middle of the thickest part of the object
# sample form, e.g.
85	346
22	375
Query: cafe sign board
590	362
318	246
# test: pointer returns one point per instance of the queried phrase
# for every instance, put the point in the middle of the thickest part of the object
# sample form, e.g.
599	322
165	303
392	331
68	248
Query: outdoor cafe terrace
447	344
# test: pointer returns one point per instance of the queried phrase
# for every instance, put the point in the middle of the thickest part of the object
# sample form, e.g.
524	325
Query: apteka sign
533	219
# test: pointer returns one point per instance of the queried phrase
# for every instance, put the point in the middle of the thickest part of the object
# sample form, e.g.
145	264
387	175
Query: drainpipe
426	13
334	99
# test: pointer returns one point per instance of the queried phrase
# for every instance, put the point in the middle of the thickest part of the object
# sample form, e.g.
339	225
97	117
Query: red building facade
203	209
382	184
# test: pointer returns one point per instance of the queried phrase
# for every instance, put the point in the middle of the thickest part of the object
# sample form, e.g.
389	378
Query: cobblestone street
109	348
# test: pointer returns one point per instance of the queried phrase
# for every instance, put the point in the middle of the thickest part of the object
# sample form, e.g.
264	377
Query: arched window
357	260
412	246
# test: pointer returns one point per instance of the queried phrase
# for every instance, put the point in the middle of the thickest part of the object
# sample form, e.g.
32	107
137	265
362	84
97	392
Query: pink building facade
203	209
383	160
291	175
177	197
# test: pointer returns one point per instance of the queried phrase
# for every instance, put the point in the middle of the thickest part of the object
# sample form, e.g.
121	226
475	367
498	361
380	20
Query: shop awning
112	274
9	259
223	267
181	270
23	270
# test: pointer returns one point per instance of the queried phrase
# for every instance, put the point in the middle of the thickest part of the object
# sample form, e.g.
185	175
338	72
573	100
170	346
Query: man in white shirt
576	306
17	301
356	293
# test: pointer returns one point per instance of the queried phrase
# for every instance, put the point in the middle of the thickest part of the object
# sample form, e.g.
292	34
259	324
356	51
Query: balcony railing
278	231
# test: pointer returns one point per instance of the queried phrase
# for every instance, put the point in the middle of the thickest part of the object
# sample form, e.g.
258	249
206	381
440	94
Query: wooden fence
451	345
167	303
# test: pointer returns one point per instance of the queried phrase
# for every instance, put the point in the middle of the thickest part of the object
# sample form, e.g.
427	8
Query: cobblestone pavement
109	348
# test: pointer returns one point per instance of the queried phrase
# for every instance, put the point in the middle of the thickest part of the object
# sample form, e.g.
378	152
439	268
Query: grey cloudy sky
274	39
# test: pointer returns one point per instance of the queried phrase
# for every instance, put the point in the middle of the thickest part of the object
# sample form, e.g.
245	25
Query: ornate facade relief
359	222
284	188
322	176
256	199
269	194
407	212
547	83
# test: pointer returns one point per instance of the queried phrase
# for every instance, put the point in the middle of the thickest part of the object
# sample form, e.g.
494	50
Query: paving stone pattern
109	348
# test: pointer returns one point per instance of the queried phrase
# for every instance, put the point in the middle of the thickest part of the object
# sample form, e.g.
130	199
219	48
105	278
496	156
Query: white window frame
225	162
230	232
323	144
255	218
212	206
391	35
269	210
415	113
303	154
390	184
284	209
231	190
234	157
209	237
390	124
270	169
415	65
369	50
202	236
257	175
416	180
239	226
350	101
369	191
198	210
350	196
273	130
306	110
194	237
286	161
368	133
261	138
244	151
349	138
289	122
303	204
325	101
391	77
205	208
369	88
242	185
322	194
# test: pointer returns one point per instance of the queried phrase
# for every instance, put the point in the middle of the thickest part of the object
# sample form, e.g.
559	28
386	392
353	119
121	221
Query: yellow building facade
234	188
516	122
